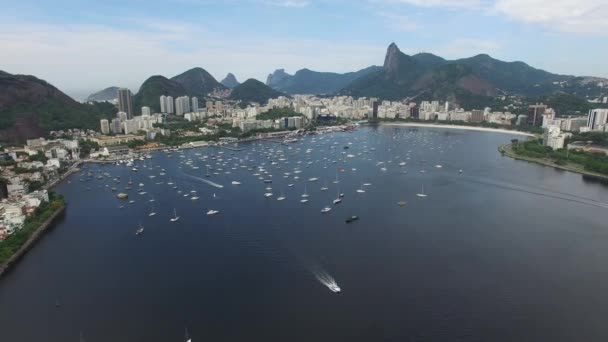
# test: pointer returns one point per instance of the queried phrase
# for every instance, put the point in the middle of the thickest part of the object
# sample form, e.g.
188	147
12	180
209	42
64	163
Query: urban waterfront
502	251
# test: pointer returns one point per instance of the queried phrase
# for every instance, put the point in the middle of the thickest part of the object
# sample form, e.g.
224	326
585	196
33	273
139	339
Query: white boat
305	194
421	194
268	194
304	200
360	190
438	166
325	210
314	179
290	185
212	212
281	198
460	171
236	183
139	230
334	288
175	217
194	198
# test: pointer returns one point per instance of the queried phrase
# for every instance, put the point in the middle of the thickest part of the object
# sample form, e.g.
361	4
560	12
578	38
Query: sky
83	46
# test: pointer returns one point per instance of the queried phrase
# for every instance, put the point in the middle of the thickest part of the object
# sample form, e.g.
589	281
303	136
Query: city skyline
253	38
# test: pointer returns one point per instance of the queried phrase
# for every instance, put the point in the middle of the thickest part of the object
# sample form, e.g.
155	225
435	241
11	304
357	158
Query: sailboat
175	217
187	336
337	180
212	212
421	194
338	198
360	190
152	212
324	187
139	230
305	194
282	197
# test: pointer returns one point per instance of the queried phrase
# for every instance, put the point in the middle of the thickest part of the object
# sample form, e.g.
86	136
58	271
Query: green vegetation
86	146
596	138
11	245
35	185
254	91
136	143
57	115
565	104
177	123
38	157
594	162
151	91
20	170
278	113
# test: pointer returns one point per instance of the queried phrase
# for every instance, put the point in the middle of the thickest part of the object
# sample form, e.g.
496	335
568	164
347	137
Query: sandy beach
472	128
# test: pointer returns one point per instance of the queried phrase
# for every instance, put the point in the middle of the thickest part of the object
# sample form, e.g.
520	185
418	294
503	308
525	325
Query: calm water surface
505	251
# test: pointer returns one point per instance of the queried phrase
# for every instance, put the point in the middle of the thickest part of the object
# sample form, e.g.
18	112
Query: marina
274	254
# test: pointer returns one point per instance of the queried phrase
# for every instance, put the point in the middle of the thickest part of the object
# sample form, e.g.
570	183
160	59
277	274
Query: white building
105	126
554	138
597	119
145	111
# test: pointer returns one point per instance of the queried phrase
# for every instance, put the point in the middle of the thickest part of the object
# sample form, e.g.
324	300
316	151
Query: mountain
230	81
277	77
306	81
197	82
153	88
108	94
31	107
254	91
469	81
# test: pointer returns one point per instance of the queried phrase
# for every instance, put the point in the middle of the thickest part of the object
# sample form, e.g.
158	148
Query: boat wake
539	192
325	279
219	186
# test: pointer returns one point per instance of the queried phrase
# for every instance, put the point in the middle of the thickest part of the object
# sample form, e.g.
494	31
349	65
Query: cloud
576	16
92	57
399	22
289	3
446	4
462	47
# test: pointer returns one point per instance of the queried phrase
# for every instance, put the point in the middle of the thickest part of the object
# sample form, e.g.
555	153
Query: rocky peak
230	81
391	61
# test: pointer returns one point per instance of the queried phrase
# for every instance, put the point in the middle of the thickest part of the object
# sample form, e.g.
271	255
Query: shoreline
31	241
505	150
471	128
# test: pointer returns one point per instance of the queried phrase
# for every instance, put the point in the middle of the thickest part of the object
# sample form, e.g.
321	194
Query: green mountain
306	81
254	91
31	107
152	89
108	94
471	82
230	81
197	82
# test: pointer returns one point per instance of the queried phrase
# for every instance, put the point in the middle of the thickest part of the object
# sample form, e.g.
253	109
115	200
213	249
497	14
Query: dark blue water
505	251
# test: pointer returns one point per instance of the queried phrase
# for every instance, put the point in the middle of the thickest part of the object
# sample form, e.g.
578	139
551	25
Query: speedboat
304	200
281	198
352	219
334	288
325	210
212	212
194	198
236	183
268	194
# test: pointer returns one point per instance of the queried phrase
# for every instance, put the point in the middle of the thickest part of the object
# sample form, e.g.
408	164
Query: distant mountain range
306	81
470	82
230	81
108	94
30	107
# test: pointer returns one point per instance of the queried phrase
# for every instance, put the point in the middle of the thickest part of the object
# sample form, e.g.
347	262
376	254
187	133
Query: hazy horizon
84	48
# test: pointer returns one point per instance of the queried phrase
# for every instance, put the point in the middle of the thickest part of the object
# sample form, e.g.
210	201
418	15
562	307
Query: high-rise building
477	115
163	104
535	114
116	127
124	102
145	111
209	105
195	104
597	119
169	105
105	126
414	111
122	116
375	105
182	105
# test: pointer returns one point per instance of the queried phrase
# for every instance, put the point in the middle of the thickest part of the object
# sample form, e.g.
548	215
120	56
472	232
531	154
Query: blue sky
82	46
